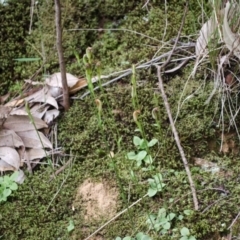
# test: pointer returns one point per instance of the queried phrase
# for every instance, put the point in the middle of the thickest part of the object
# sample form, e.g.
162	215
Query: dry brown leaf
231	39
4	98
34	139
10	156
23	123
43	96
36	153
4	111
51	115
38	110
206	33
9	138
55	92
5	166
15	103
21	177
55	80
19	111
81	83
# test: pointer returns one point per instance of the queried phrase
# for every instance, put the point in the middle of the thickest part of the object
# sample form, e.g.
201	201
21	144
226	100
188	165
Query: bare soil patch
98	199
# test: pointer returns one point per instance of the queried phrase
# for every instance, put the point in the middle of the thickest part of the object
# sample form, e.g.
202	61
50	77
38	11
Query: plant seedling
7	185
155	184
139	236
185	233
70	226
161	222
142	154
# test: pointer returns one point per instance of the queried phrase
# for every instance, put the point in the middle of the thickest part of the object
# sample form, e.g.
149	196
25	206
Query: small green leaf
148	159
131	156
7	192
191	238
171	216
185	231
70	226
180	217
136	141
143	144
152	142
142	236
26	59
141	155
127	238
118	238
166	226
188	212
13	186
14	176
184	238
151	192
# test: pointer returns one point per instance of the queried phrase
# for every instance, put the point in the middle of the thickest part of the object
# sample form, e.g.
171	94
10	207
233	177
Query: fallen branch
175	133
115	217
177	140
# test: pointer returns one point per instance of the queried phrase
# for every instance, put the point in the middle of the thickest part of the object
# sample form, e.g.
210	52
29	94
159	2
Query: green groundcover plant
7	185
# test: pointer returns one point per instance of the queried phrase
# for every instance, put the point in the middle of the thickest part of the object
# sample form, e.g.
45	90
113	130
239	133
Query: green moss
81	136
14	20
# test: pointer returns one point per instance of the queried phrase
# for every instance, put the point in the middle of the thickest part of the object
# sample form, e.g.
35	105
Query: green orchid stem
32	121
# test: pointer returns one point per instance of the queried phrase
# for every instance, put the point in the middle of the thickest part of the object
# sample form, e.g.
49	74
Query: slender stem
66	102
177	140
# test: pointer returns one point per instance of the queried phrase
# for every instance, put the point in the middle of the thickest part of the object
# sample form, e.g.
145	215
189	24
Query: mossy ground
41	209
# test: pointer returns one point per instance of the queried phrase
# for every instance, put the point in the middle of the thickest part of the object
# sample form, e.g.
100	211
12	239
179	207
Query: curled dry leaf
34	139
55	80
21	177
18	111
36	153
38	110
9	138
5	166
206	33
4	98
23	123
42	96
4	111
51	115
10	156
232	40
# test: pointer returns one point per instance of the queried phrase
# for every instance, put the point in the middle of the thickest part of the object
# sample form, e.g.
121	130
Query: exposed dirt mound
99	199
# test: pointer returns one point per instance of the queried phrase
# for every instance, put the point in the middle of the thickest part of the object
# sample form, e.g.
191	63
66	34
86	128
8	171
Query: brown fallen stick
175	133
177	140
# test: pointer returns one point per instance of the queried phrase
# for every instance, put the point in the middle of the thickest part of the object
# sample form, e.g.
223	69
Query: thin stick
177	140
116	216
66	102
233	222
167	106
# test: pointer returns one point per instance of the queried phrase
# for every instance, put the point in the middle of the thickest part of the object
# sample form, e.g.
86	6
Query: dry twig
175	133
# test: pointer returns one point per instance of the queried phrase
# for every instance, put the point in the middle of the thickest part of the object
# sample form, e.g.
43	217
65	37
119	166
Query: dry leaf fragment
9	138
15	103
232	40
55	80
42	96
34	139
36	153
51	115
23	123
21	177
206	34
79	85
5	166
10	156
38	110
4	98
